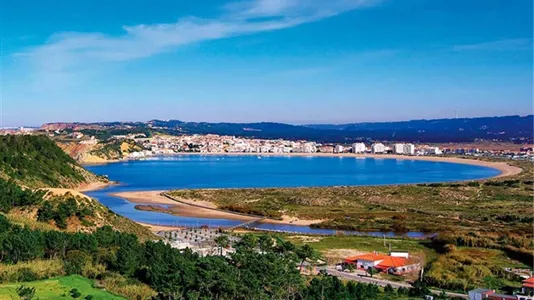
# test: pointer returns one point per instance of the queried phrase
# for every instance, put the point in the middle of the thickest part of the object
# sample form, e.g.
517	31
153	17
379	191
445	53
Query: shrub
26	274
74	293
41	269
131	289
75	262
25	292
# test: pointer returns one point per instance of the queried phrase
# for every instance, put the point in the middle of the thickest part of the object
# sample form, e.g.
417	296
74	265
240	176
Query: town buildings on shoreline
214	144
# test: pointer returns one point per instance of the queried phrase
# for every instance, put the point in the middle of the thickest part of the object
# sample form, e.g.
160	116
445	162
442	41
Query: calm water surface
195	171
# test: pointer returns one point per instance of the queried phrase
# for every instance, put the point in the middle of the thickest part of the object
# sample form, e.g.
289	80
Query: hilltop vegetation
36	161
507	128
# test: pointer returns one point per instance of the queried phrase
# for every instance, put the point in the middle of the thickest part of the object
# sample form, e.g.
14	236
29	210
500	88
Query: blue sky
294	61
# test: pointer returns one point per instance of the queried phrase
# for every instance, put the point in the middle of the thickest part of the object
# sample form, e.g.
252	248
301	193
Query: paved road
381	282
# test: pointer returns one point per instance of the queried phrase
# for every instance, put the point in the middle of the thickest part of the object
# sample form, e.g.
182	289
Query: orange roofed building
386	263
528	286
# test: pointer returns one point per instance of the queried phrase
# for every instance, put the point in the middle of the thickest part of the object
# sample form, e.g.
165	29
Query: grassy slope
101	216
36	161
54	288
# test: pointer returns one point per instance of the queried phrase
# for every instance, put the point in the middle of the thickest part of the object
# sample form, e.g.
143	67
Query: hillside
102	152
516	129
61	209
36	161
35	177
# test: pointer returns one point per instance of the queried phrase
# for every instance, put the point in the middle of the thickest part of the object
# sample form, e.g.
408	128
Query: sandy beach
93	186
503	167
151	199
506	169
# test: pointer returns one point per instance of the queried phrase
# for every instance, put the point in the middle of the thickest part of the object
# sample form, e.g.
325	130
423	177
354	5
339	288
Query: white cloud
500	45
72	51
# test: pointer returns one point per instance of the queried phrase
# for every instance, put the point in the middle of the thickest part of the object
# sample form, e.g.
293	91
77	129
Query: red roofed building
528	286
384	263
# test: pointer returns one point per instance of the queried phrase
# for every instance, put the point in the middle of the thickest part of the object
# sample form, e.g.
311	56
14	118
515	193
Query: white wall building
358	148
398	148
434	151
378	148
409	149
338	149
309	148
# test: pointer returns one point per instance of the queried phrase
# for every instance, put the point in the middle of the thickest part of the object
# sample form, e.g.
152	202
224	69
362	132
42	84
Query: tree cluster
12	195
62	211
261	268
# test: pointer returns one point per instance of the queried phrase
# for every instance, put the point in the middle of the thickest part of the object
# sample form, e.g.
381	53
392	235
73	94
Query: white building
358	148
409	149
378	148
434	151
309	148
398	148
338	149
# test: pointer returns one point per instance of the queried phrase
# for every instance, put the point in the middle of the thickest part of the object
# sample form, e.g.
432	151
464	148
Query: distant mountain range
518	129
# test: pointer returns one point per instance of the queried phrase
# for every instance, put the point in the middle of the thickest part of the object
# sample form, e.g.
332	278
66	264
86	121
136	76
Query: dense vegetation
36	161
60	212
12	195
261	267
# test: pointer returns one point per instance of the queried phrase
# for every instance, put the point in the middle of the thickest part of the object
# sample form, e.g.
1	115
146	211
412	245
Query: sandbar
151	199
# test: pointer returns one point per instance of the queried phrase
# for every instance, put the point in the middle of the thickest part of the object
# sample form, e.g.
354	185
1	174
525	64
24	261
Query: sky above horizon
292	61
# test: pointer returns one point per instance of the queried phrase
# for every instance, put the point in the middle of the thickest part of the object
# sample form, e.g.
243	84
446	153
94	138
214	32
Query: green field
361	243
57	288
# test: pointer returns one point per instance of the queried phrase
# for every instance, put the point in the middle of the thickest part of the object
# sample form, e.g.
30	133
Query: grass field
58	288
361	243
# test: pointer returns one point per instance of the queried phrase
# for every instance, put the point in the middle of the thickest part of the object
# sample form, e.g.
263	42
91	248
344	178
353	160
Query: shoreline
504	168
94	186
152	199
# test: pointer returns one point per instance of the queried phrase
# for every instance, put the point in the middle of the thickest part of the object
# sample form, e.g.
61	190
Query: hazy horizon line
295	123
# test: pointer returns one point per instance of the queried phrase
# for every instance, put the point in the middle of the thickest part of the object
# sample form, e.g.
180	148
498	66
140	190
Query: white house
409	149
378	148
398	148
338	149
358	148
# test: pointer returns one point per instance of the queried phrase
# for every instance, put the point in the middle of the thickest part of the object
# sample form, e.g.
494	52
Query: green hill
34	175
36	161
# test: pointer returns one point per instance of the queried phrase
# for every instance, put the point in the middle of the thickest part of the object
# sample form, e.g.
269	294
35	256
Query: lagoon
235	171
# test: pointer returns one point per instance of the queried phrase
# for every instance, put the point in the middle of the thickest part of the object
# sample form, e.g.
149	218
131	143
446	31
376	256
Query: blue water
193	171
